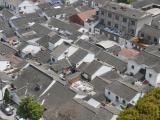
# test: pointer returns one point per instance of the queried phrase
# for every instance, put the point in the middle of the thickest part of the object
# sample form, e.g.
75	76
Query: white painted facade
27	7
152	77
30	49
136	98
52	46
94	103
133	67
114	117
88	59
4	65
103	69
70	1
90	26
95	5
70	51
121	101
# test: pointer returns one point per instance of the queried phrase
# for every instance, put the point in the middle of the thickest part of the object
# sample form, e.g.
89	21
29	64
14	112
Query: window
102	21
124	20
116	26
117	98
142	35
117	17
124	102
102	12
132	31
97	12
132	66
19	8
109	23
150	75
132	22
149	37
96	4
24	7
109	15
109	93
155	40
123	28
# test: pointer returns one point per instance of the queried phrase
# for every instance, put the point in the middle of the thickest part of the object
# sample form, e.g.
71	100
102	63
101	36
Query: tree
7	97
147	108
30	109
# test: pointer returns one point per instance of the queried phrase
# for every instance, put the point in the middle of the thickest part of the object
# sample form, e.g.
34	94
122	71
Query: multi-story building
121	20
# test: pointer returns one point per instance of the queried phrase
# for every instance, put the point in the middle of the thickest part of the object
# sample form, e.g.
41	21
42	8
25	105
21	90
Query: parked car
6	109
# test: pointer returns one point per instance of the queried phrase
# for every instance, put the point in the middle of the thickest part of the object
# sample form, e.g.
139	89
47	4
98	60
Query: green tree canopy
7	97
147	108
30	109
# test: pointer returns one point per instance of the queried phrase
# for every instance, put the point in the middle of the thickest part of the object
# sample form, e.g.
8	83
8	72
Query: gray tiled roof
40	30
7	14
29	79
44	41
60	65
88	46
77	56
124	11
43	56
122	90
99	86
110	76
59	50
150	31
112	60
22	22
4	49
64	10
92	67
146	58
142	3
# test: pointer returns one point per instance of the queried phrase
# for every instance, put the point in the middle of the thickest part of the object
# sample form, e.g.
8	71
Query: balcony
113	30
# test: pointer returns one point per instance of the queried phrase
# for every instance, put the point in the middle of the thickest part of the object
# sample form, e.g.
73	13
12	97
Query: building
27	7
113	61
82	17
95	69
147	35
80	56
4	64
146	63
122	94
122	21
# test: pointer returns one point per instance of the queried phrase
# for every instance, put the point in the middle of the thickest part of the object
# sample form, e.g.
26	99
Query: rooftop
124	10
112	60
122	90
33	81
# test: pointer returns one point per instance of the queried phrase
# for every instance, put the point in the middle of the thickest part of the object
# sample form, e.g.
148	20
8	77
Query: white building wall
154	79
4	65
112	97
114	117
27	7
128	44
90	26
51	46
88	58
136	98
136	67
100	71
